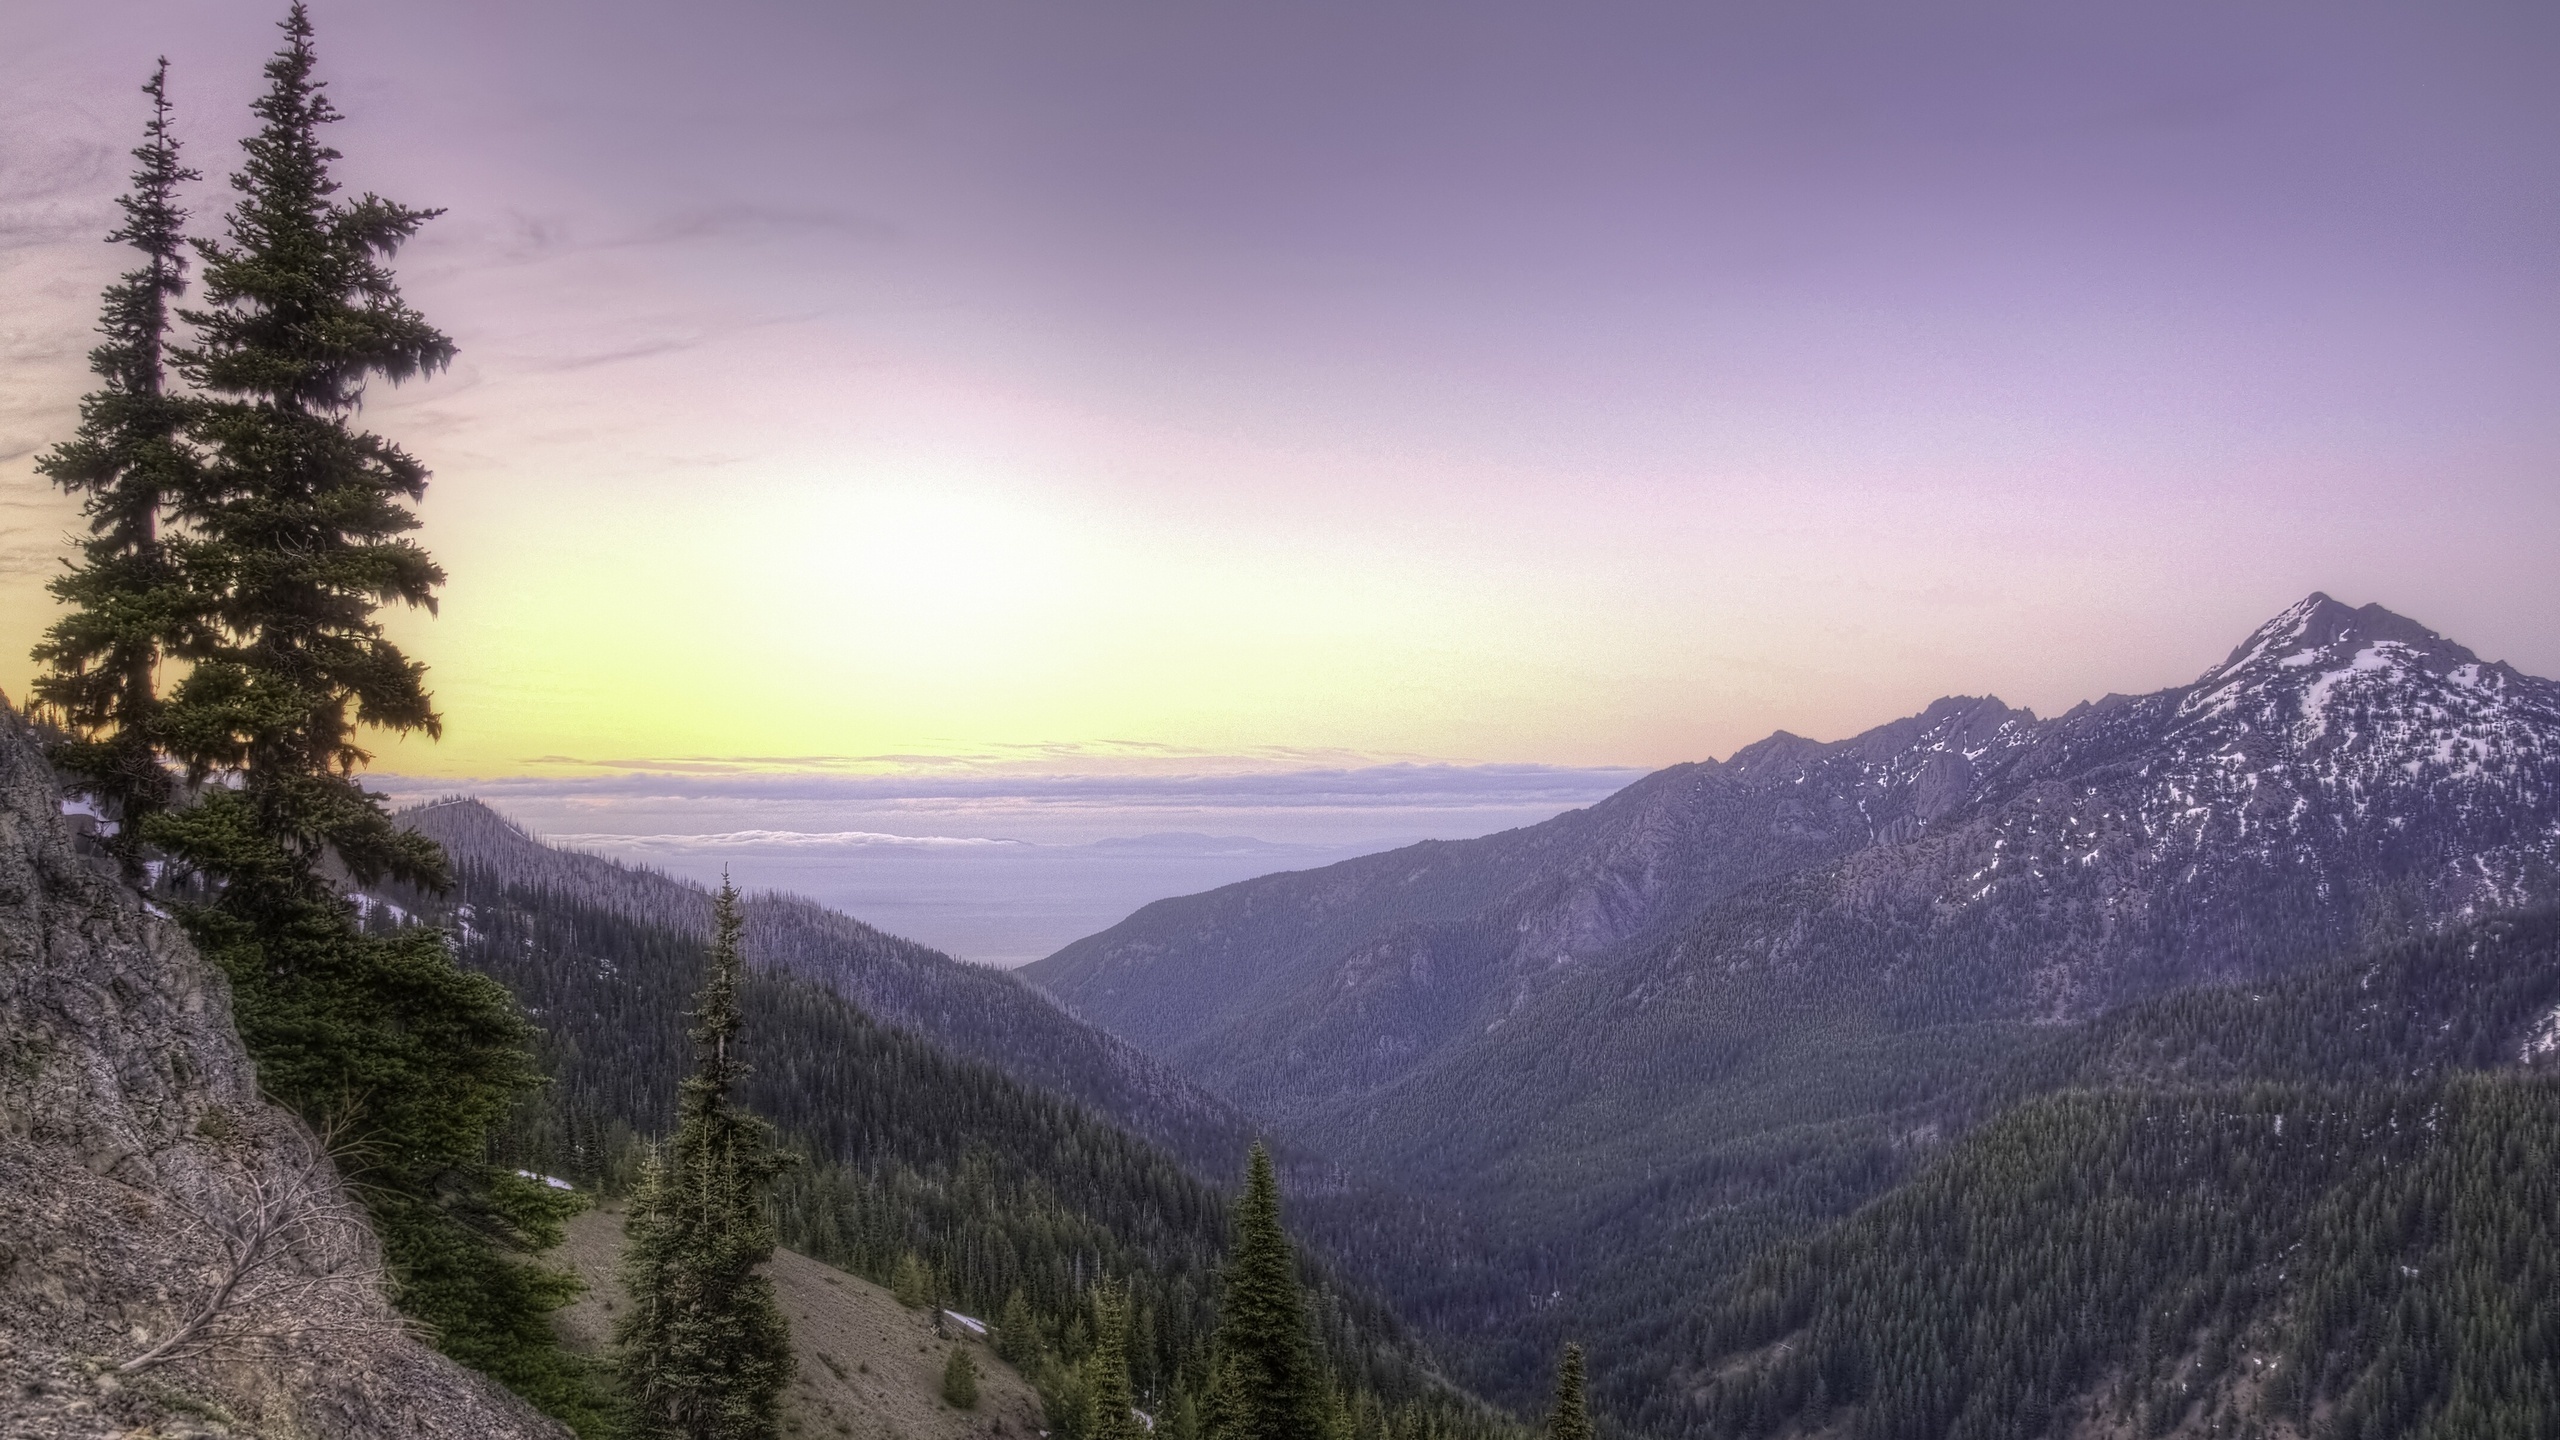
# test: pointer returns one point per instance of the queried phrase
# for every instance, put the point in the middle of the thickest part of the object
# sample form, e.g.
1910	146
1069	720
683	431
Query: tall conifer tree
704	1350
1570	1419
130	606
1266	1382
291	537
1110	1404
299	519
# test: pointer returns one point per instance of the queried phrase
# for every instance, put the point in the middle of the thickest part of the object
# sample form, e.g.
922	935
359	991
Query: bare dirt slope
868	1367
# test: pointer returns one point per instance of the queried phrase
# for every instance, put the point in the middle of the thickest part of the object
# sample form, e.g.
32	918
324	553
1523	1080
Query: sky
856	394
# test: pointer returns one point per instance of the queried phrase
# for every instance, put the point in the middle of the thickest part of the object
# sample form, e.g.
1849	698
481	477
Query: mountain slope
2325	1205
2343	772
136	1153
857	1354
970	1010
1647	1040
1002	1195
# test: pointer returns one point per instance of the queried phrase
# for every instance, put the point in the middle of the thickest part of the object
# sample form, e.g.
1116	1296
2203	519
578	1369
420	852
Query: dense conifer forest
931	1174
2321	1205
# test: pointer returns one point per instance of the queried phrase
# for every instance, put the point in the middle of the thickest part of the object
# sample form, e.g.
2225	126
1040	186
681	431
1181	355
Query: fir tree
960	1379
289	543
1017	1339
298	519
913	1282
130	606
1570	1420
1266	1384
704	1350
1110	1405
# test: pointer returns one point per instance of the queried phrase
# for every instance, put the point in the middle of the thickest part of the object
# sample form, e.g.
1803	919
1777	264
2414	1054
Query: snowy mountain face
1740	998
2338	729
2345	773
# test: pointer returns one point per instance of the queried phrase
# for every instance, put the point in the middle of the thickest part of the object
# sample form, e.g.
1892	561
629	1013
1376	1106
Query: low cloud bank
821	810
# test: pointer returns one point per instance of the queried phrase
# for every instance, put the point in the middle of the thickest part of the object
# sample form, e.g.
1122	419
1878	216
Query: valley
1121	741
1642	1043
2178	1066
1659	1074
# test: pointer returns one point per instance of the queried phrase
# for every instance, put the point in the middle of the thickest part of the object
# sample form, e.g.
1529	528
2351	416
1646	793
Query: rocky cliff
177	1257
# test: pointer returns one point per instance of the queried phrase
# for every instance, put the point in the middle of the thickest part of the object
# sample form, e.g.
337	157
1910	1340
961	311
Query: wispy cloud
824	806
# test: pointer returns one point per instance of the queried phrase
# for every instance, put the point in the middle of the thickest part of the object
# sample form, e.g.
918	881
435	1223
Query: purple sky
1592	385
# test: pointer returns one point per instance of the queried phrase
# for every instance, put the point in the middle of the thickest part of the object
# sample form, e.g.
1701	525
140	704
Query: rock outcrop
137	1164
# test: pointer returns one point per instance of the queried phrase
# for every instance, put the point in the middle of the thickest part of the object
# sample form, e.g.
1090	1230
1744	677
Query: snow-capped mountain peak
2318	630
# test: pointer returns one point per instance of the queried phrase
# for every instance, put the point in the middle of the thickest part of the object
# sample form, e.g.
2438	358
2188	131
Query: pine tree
912	1283
130	605
704	1350
1110	1405
960	1379
282	545
1017	1338
1266	1384
298	520
1570	1420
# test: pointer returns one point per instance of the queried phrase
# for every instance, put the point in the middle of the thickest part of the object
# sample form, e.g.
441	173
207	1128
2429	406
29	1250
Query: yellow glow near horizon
816	617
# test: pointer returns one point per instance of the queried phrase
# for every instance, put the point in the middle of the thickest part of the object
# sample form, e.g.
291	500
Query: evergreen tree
1110	1405
913	1284
1569	1420
298	520
704	1350
284	543
1017	1339
130	606
960	1379
1266	1383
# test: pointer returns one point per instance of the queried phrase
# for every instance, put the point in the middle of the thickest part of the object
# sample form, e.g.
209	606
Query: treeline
933	1175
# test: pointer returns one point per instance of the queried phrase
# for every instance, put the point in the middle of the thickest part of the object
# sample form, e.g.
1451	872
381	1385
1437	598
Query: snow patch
367	904
2544	1039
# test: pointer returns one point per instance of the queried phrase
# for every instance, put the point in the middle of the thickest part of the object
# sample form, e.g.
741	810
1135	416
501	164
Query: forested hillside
1634	1047
925	1170
969	1010
2327	1206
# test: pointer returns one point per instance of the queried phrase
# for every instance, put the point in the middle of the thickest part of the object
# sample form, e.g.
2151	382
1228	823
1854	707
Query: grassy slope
867	1366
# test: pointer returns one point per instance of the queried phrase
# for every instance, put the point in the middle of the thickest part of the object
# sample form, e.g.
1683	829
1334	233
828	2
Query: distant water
997	904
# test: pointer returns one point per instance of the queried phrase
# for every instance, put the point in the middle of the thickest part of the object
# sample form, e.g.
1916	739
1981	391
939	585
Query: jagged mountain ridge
979	1014
2363	768
1644	1041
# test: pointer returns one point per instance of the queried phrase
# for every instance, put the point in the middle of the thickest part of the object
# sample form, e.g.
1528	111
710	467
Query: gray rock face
131	1136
